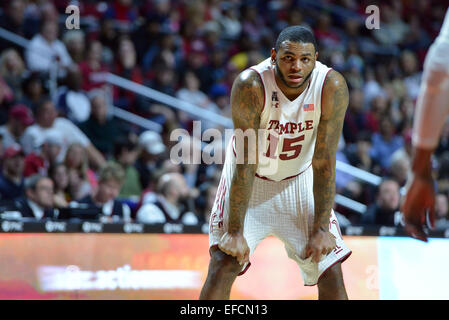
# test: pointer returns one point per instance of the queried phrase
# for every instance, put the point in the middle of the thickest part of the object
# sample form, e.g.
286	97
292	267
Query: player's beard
281	76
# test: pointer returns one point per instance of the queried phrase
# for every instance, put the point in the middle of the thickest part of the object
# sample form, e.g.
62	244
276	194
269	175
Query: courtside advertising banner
174	266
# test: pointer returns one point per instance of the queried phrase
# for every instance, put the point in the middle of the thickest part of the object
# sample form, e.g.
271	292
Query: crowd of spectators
62	147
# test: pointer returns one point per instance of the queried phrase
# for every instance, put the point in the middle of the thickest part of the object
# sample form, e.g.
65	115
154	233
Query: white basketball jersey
290	126
444	32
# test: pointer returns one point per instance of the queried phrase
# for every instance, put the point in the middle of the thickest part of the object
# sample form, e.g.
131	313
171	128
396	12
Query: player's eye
305	60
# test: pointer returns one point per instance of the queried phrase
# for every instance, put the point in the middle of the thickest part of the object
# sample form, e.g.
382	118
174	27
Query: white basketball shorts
284	209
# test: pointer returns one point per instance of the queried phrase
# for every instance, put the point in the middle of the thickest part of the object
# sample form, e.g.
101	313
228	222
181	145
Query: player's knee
224	265
332	276
331	285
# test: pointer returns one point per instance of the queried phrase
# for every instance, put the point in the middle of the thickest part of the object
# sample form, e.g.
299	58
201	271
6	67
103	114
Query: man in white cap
49	148
152	151
151	142
47	119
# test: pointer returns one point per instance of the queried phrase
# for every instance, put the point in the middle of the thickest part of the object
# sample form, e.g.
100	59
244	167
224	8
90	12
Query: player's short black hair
296	34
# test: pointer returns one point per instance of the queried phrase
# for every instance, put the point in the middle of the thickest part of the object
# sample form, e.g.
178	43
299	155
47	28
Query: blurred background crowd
62	147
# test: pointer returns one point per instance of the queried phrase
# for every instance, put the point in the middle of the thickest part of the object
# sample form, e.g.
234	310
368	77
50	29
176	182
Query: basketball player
301	104
432	109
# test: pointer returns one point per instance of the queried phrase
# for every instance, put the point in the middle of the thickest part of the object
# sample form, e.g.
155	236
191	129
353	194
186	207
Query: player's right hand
419	201
320	243
234	244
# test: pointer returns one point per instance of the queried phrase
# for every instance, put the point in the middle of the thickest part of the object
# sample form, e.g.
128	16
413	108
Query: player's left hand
419	202
321	242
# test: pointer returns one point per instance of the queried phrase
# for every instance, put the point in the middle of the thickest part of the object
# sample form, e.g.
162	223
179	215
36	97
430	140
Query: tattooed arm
247	99
334	103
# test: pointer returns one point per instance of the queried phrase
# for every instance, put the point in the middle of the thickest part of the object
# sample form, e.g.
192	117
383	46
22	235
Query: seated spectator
14	19
59	175
110	181
20	117
400	167
172	204
108	36
191	92
252	22
150	159
128	68
91	65
12	69
406	150
325	33
82	180
385	211
11	177
394	29
164	49
125	153
164	80
39	161
358	154
46	50
379	109
403	114
385	143
410	65
48	11
33	90
46	119
355	118
221	97
99	127
72	100
149	194
229	21
75	43
38	200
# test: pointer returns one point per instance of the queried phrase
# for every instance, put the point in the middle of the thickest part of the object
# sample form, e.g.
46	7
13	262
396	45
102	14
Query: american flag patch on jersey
309	107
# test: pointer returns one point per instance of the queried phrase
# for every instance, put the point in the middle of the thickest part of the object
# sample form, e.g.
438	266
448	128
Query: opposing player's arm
247	99
333	108
432	108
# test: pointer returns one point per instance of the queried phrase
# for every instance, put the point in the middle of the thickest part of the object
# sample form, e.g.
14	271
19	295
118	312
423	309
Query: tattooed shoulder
247	99
335	96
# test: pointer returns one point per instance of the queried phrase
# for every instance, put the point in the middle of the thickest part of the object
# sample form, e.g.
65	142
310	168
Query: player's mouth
296	78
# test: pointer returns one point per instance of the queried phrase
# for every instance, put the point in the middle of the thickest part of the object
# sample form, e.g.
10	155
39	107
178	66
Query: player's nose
296	66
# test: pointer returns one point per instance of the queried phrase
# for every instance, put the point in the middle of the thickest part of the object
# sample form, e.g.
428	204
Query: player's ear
273	55
316	55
